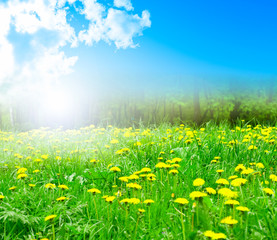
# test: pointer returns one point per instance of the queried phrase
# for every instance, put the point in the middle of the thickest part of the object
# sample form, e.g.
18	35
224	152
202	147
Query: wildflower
181	201
229	220
141	210
240	168
36	171
63	187
32	185
252	147
123	179
148	201
231	202
174	160
226	192
213	235
214	161
151	175
110	199
21	170
133	177
94	191
273	177
220	171
219	236
268	191
50	186
12	188
114	141
247	171
222	181
134	185
1	197
115	169
198	182
242	209
197	195
125	200
209	234
94	161
175	165
134	201
238	182
22	176
174	172
232	177
50	217
210	190
61	199
160	165
145	170
259	165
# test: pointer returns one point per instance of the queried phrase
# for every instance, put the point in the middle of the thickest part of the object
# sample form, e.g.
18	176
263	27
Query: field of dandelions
169	182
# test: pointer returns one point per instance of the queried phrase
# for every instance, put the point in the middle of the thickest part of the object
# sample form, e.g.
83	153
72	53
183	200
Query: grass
96	159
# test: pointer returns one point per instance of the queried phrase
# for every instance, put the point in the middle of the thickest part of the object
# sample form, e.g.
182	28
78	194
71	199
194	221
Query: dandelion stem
95	208
136	228
53	229
183	227
149	219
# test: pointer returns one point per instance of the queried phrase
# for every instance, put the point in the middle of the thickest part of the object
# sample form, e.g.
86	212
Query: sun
56	105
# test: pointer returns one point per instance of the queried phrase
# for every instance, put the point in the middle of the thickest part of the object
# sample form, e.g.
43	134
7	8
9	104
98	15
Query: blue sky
135	43
207	38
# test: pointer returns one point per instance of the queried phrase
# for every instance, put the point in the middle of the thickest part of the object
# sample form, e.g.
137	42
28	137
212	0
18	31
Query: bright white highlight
56	105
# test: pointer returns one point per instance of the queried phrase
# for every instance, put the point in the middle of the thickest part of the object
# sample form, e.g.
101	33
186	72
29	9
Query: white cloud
50	62
124	3
122	27
112	25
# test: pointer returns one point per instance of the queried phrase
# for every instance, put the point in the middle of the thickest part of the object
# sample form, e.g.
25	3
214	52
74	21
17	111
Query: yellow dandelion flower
94	191
61	199
110	199
242	209
50	217
210	190
50	186
238	182
115	169
229	220
259	165
228	193
64	187
197	195
198	182
181	201
123	179
222	181
268	191
148	201
174	172
22	176
231	202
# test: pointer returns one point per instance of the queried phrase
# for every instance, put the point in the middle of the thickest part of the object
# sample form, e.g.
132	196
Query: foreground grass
164	183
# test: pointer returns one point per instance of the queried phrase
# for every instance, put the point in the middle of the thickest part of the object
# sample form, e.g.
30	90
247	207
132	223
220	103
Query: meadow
165	182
